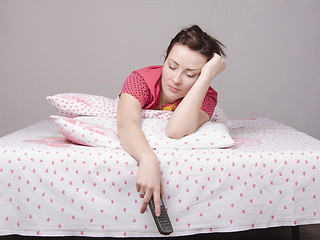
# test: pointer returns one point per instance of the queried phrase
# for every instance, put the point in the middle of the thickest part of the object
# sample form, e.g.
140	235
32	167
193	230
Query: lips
173	89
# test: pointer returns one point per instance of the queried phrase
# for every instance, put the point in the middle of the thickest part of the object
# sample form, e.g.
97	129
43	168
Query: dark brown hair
194	38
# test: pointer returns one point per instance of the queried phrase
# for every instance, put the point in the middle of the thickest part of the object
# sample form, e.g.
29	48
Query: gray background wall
90	46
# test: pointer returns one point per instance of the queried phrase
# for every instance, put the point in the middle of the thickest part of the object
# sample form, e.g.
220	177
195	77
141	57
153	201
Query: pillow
219	116
88	133
209	135
78	104
102	132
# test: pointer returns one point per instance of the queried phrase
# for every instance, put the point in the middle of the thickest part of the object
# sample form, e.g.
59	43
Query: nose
177	78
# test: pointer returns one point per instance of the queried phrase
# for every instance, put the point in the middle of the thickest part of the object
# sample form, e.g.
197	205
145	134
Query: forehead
186	58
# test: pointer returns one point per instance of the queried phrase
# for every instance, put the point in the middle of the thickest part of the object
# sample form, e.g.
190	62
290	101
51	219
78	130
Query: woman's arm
133	140
188	116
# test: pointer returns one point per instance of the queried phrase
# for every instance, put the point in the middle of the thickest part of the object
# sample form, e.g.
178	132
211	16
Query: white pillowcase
102	132
79	104
90	133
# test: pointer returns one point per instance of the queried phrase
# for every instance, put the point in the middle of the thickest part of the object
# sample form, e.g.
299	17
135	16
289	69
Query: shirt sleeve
136	86
209	102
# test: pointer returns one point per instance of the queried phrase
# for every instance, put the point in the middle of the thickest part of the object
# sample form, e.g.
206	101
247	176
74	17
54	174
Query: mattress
52	187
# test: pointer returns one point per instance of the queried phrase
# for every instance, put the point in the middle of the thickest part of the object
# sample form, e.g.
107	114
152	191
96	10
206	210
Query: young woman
181	85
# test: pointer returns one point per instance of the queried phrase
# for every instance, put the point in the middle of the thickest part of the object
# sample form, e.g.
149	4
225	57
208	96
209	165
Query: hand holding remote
163	222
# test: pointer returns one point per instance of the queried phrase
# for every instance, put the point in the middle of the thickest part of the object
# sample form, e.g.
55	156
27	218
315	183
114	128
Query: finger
161	190
142	192
217	55
145	202
157	203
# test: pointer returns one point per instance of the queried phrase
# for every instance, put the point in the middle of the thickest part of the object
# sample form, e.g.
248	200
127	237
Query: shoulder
148	77
149	73
211	92
210	102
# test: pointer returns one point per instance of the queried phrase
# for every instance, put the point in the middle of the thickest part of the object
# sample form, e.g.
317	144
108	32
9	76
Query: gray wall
90	46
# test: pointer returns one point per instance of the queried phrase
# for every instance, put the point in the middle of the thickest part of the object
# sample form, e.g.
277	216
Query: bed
51	186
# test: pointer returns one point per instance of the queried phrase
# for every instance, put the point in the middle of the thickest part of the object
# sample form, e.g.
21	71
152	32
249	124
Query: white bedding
51	187
102	131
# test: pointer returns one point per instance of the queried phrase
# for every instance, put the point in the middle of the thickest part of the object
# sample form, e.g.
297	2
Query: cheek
166	76
165	73
187	84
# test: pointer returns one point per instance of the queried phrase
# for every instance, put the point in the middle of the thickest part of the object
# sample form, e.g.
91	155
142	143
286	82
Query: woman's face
180	71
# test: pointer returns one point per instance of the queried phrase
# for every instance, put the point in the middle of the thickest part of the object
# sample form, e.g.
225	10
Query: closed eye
191	76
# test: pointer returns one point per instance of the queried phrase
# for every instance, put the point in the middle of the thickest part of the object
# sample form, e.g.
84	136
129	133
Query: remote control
163	222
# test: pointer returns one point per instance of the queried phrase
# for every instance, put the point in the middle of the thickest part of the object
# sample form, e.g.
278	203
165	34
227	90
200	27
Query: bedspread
51	187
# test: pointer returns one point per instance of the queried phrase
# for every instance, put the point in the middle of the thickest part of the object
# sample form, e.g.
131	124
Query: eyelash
190	76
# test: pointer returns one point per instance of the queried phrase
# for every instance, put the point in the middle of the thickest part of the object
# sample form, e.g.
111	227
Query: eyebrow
189	69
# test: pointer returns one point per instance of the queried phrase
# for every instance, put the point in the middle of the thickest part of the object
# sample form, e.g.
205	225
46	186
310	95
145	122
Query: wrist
147	157
208	76
204	80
